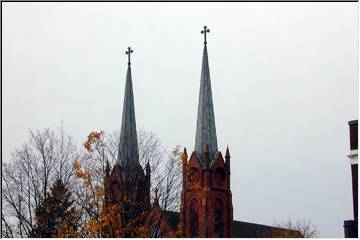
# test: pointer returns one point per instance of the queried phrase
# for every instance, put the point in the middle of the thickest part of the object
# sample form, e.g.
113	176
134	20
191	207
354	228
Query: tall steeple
205	127
128	148
206	203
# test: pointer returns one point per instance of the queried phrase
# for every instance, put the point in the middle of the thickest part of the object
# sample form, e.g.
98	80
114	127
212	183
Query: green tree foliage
55	215
30	173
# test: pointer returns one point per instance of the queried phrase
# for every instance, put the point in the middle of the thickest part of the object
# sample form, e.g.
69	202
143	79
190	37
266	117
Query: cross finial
128	52
206	30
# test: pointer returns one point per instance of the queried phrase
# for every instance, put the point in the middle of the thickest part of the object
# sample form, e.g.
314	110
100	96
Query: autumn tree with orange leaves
165	173
165	165
95	219
49	155
101	220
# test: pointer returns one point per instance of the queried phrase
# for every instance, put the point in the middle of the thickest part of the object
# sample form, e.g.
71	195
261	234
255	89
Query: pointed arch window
219	217
194	218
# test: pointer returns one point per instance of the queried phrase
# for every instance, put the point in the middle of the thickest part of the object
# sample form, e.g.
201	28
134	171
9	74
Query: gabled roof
243	229
252	230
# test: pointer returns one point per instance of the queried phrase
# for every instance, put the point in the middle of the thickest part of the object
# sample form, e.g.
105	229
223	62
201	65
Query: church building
206	208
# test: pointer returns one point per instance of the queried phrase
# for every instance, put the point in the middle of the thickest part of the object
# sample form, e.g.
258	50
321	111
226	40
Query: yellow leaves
179	231
93	138
77	166
105	225
102	223
87	184
105	219
92	228
183	158
99	193
142	231
65	230
86	177
177	154
82	174
101	227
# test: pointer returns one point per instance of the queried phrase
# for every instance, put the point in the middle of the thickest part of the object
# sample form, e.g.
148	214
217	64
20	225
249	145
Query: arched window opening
219	217
194	218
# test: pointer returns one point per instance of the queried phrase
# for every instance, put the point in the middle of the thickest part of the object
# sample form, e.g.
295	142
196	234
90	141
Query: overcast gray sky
284	82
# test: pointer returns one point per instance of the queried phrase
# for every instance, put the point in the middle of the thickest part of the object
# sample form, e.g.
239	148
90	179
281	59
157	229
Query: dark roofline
352	122
241	229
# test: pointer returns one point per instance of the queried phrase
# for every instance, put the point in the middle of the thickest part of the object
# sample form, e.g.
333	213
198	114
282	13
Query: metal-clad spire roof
205	128
128	148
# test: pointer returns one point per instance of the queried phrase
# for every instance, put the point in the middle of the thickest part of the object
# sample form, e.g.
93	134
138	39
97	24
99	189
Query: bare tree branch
28	174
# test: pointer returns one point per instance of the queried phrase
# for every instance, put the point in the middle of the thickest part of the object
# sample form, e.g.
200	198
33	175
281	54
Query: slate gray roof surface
128	146
240	229
205	127
253	230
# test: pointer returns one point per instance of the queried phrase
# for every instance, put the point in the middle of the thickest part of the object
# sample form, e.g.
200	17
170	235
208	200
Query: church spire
128	148
205	128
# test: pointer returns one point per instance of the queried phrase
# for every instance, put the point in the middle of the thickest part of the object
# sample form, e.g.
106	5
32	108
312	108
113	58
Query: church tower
206	202
127	187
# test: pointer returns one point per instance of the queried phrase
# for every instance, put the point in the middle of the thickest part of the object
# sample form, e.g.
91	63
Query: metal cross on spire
206	30
128	52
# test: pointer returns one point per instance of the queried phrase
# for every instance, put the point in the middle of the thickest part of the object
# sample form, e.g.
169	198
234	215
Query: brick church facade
206	208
